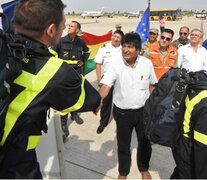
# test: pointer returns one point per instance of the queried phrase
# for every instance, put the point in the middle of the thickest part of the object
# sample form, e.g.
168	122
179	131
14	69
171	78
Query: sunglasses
167	38
183	33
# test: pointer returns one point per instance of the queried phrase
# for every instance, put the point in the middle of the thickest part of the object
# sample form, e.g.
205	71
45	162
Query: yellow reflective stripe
70	61
25	79
53	52
152	52
80	101
189	109
160	67
32	142
22	100
202	138
89	51
190	104
63	113
186	135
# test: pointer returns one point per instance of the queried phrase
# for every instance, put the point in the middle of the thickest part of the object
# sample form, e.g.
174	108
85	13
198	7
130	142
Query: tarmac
89	155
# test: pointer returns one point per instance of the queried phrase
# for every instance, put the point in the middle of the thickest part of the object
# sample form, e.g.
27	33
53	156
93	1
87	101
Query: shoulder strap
10	28
181	87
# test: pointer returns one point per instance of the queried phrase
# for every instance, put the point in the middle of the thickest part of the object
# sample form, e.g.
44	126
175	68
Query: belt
129	110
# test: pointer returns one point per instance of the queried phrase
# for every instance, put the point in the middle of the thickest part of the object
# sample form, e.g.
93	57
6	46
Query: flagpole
149	8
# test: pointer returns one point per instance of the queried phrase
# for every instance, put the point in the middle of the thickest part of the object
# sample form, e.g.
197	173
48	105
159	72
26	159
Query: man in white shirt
105	56
132	81
193	56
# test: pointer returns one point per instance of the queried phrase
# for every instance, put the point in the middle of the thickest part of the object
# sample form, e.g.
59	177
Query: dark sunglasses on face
167	38
185	34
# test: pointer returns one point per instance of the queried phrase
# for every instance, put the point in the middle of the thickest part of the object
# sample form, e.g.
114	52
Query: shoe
121	177
100	129
146	175
77	119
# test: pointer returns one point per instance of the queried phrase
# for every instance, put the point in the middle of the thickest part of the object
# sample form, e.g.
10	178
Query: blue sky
131	5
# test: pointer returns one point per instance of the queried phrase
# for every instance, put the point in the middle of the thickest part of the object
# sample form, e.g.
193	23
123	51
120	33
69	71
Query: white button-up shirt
191	60
131	85
106	55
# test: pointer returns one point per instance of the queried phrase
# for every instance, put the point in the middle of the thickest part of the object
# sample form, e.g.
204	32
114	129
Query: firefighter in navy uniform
190	152
46	81
73	50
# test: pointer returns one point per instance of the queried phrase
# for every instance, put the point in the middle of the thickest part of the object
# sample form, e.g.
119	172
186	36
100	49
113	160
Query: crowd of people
127	73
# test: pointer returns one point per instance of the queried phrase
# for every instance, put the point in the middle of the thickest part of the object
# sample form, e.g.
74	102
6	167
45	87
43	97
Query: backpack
11	53
164	109
198	83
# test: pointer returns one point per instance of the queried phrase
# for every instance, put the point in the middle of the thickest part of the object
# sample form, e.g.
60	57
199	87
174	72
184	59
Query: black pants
126	121
106	108
18	163
183	156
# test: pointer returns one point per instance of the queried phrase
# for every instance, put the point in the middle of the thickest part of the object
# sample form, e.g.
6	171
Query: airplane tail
102	10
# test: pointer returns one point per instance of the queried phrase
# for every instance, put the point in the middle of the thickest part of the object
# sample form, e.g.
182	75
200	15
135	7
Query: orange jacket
155	57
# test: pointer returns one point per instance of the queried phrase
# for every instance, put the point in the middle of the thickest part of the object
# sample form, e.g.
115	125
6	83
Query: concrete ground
89	155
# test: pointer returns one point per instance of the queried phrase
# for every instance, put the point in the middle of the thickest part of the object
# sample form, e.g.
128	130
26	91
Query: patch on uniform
155	61
180	45
173	53
108	52
66	53
172	63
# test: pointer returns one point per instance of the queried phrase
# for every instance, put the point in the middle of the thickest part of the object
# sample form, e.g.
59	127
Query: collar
136	62
182	42
166	49
34	47
189	45
119	47
76	38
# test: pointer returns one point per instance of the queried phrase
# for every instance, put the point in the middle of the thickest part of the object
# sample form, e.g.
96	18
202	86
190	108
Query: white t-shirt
106	55
191	60
131	85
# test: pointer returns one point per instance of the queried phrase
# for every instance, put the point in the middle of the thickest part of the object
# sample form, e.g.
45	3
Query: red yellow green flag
94	42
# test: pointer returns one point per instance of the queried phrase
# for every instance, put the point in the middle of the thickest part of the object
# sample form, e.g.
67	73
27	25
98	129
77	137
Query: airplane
93	13
133	14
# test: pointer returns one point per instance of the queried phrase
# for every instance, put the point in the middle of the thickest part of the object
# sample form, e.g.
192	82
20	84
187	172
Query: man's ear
77	30
51	30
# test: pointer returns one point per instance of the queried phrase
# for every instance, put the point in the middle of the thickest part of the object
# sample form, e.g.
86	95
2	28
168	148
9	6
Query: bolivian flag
94	42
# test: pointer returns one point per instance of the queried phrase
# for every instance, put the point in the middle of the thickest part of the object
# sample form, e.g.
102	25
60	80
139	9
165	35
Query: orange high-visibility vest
155	57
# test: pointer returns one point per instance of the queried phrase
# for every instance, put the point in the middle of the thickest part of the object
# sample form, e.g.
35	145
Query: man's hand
80	63
103	91
99	84
98	108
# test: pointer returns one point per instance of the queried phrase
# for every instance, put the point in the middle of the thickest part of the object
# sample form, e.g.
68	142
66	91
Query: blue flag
144	26
7	7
